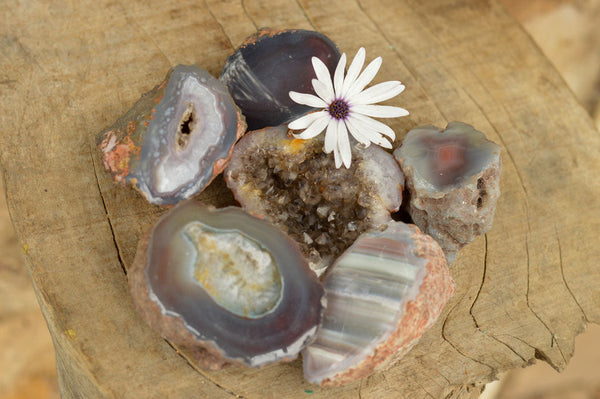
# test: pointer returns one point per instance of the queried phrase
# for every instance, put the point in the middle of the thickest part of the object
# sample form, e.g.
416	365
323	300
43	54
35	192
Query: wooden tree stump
524	290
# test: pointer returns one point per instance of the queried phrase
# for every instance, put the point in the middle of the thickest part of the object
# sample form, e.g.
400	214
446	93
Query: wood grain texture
524	290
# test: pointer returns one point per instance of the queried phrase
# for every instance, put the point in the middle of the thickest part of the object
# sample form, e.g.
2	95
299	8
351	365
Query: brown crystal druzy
295	185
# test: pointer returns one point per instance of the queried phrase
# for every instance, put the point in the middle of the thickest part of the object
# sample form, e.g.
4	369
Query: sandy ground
567	31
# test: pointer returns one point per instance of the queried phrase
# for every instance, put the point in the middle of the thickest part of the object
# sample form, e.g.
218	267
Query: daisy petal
338	77
322	90
322	72
330	138
379	111
307	99
353	70
379	92
337	157
344	144
306	120
372	135
314	129
375	125
361	138
365	77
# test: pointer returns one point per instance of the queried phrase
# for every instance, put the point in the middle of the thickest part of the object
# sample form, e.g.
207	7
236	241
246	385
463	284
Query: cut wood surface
524	290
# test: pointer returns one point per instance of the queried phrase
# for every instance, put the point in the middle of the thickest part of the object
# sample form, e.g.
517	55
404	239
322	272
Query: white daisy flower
346	107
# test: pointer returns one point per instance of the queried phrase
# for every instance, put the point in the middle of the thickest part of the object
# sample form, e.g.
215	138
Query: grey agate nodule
453	180
383	294
230	287
176	139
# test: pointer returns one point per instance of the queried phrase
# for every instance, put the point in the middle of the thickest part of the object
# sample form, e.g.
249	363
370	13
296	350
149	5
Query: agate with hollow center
227	282
176	138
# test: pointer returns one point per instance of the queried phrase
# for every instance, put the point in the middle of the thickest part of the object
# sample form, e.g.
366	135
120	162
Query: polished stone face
193	129
371	290
240	286
262	72
443	159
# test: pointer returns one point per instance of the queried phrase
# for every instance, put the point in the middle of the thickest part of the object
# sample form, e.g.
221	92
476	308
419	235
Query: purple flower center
339	109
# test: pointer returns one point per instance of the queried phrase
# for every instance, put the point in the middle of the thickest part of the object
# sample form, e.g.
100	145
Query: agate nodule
268	65
383	293
295	185
229	286
453	177
176	139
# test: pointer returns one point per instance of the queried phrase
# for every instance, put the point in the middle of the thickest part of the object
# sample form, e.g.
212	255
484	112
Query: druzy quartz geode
230	287
176	139
295	185
383	293
453	178
268	65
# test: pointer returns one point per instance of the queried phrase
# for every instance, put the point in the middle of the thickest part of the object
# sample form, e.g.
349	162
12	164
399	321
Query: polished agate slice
230	287
268	65
383	294
176	138
295	185
453	177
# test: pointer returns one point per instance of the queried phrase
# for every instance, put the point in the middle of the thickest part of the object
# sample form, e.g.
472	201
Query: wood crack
220	25
112	230
248	14
420	386
553	336
562	273
445	338
133	22
202	373
482	281
485	255
303	11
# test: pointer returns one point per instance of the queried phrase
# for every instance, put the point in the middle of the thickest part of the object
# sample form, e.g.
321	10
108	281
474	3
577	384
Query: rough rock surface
453	180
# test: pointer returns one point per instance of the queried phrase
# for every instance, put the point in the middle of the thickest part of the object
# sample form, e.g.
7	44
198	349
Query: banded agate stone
383	294
295	185
230	287
176	139
453	177
268	65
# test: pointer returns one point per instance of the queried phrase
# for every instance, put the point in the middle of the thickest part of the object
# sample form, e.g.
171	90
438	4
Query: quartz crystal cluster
295	185
312	260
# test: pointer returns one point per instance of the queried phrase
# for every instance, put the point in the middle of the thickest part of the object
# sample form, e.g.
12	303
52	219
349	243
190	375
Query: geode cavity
176	139
229	286
268	65
453	177
295	185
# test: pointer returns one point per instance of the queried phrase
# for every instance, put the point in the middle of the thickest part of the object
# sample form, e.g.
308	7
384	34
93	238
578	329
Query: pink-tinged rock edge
419	315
